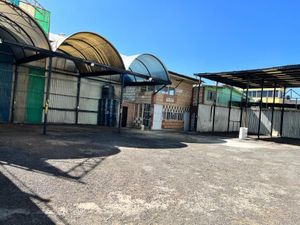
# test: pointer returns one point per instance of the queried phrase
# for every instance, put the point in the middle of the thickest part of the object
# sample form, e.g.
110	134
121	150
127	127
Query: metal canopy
93	55
283	76
92	47
18	26
147	64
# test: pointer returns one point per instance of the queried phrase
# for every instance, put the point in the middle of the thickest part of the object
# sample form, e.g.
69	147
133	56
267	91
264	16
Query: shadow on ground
16	207
24	147
289	141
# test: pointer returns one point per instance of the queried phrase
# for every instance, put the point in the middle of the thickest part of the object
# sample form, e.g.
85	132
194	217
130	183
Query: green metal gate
35	95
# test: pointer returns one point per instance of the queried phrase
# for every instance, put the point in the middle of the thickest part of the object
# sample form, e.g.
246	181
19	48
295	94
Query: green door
35	95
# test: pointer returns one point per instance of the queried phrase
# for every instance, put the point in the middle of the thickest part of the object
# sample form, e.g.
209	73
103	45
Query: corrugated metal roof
282	76
146	64
91	46
18	26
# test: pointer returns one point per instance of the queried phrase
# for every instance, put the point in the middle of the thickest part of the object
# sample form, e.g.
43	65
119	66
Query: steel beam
32	58
282	112
77	99
162	87
229	110
214	109
241	108
121	103
273	108
198	103
260	108
98	74
13	105
50	53
46	108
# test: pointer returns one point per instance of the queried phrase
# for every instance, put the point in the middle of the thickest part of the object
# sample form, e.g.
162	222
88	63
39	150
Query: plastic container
243	133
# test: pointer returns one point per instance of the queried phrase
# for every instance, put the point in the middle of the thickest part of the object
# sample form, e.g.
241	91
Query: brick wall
183	94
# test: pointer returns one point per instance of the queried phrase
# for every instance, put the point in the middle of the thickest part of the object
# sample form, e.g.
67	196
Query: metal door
186	121
157	117
124	116
6	74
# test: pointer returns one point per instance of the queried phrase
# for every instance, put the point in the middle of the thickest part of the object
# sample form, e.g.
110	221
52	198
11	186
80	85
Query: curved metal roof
18	26
147	64
91	46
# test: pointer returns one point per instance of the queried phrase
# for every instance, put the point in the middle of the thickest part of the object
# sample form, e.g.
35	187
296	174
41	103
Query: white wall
291	120
205	118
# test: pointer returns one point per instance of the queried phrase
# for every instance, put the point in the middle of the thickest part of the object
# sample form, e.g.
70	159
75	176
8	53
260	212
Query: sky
190	36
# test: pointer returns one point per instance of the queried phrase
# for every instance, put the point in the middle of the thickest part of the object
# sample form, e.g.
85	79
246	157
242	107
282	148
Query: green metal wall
15	2
42	16
223	95
35	95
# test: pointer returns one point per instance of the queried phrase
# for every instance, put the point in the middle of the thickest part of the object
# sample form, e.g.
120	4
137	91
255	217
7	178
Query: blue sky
190	36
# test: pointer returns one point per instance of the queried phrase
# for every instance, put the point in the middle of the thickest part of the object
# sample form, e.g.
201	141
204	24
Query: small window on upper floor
211	95
171	91
168	91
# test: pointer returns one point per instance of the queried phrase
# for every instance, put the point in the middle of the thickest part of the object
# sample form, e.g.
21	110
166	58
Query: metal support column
282	112
246	105
214	109
121	103
47	96
77	99
260	108
229	110
241	108
198	103
272	115
13	107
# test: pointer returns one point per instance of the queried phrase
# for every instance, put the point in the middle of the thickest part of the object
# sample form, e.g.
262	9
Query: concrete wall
205	118
291	120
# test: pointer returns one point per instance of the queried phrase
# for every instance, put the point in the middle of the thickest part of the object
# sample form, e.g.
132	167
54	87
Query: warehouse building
78	81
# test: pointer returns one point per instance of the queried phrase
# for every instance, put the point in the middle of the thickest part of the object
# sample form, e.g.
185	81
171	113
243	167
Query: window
211	95
270	94
265	94
172	91
150	88
168	91
254	94
147	88
258	94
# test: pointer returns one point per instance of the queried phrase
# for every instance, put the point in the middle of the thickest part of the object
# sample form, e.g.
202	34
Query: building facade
160	107
267	95
208	94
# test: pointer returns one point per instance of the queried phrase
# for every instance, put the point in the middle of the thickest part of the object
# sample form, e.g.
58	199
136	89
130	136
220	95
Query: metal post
260	108
198	103
241	108
229	110
121	103
282	112
214	109
47	96
272	116
77	99
246	105
13	109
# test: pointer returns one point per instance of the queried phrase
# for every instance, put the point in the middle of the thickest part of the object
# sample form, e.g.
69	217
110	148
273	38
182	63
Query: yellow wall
267	99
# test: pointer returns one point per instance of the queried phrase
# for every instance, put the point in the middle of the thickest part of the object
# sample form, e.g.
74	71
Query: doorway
124	116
